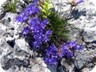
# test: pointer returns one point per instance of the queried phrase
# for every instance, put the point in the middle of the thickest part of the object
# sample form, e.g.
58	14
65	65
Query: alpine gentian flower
36	1
36	25
41	35
66	51
80	1
22	17
69	54
38	29
72	43
29	10
19	19
47	35
44	23
25	31
51	56
69	48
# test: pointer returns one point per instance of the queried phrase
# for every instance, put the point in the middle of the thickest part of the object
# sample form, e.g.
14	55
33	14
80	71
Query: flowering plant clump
39	31
36	25
32	9
69	48
46	28
53	54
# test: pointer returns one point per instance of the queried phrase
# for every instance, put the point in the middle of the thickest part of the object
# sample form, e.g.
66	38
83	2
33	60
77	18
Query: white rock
22	44
85	70
12	17
2	1
93	70
1	69
87	21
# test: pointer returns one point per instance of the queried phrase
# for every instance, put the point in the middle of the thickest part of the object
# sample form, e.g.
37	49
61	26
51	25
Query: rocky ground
15	53
82	25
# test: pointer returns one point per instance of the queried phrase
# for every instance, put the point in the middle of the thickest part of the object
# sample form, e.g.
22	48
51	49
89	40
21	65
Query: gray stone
60	69
82	26
21	4
89	36
85	59
86	22
22	44
2	13
4	47
83	17
38	65
18	58
68	66
85	70
63	7
9	19
53	68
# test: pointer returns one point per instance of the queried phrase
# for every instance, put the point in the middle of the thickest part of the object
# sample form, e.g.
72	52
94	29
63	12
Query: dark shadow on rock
53	68
60	69
11	43
12	62
76	14
2	15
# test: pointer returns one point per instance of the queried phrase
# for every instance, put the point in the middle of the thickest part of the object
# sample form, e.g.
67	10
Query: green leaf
43	10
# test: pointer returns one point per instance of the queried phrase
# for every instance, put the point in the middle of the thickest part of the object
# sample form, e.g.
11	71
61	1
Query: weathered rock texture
82	26
15	53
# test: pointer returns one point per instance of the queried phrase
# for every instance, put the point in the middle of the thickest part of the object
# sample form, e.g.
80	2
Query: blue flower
19	19
72	43
40	34
44	23
69	54
36	1
69	48
48	32
22	17
80	1
29	10
25	31
47	35
51	56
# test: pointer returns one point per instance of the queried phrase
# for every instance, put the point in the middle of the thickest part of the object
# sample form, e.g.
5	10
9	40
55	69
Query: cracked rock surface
15	53
82	26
